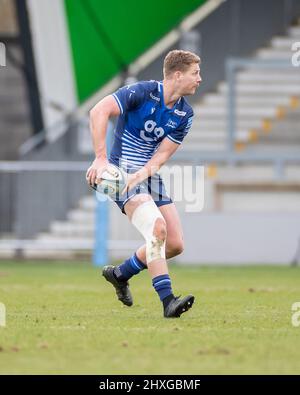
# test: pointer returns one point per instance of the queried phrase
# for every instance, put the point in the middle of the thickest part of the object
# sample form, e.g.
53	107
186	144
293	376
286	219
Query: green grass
64	318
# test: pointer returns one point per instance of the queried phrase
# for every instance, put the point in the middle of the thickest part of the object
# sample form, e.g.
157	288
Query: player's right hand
95	170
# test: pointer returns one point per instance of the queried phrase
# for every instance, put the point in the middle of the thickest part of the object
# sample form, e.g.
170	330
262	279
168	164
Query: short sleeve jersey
145	121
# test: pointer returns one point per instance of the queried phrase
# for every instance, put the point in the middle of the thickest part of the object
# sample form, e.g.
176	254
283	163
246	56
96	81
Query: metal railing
37	192
43	192
278	158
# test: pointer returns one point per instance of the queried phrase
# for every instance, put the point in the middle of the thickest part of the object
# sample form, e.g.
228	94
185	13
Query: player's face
190	80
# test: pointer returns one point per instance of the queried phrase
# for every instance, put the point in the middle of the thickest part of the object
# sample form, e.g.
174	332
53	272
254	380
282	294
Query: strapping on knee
151	224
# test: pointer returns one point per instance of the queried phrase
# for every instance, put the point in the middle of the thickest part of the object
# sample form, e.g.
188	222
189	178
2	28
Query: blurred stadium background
60	57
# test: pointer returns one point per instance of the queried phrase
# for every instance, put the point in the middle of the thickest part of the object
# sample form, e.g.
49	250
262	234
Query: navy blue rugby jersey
145	121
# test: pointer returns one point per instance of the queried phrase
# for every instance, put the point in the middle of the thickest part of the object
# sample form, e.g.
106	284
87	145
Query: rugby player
153	119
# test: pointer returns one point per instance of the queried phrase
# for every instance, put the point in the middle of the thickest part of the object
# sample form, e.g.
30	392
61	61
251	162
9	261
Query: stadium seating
264	98
268	119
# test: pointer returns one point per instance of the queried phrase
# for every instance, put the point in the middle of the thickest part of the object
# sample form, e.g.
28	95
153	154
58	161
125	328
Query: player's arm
164	152
99	116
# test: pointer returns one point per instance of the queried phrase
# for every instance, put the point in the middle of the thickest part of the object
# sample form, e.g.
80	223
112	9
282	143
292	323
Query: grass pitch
64	318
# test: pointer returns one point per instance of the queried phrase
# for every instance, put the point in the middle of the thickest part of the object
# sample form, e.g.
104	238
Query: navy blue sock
162	285
129	268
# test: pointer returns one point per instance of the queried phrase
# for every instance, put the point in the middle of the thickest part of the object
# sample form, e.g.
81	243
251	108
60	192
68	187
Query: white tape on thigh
144	218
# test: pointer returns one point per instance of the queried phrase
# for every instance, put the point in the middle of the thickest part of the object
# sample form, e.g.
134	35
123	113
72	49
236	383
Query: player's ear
177	75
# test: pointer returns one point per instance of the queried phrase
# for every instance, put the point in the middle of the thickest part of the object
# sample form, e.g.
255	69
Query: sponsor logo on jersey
154	97
171	124
180	113
190	120
189	123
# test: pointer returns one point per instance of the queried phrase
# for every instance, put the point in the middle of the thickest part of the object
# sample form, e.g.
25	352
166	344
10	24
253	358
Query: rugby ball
112	181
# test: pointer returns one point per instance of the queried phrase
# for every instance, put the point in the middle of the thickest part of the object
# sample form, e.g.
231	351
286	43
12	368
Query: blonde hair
178	60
